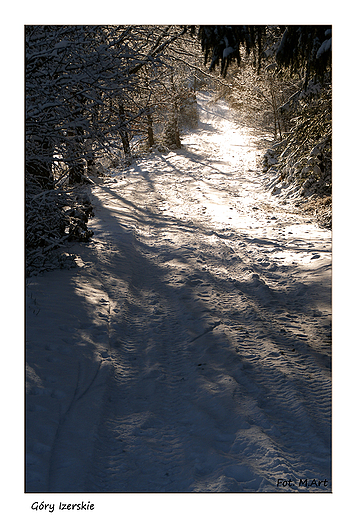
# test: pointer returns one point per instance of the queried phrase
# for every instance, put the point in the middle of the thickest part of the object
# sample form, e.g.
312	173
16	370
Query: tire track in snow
129	392
169	338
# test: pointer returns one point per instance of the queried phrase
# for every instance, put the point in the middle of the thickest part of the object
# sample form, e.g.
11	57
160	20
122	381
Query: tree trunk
150	136
172	127
89	156
277	123
124	136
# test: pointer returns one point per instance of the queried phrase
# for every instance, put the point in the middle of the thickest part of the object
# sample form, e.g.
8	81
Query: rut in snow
196	330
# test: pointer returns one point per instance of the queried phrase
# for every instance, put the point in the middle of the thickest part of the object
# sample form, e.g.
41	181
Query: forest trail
191	349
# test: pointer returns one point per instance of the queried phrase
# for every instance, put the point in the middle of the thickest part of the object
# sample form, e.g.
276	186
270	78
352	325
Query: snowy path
192	349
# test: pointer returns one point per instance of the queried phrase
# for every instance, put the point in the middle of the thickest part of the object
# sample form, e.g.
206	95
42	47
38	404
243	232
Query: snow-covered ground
190	351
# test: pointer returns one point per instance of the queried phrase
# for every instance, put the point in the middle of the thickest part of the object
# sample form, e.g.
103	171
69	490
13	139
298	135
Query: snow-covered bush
53	218
269	159
303	157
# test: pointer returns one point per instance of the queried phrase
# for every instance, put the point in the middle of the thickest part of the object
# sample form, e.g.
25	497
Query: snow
324	47
227	51
190	350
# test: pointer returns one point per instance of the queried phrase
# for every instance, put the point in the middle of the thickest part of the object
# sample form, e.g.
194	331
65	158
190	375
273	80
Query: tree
294	65
166	90
80	85
302	48
222	44
88	89
306	50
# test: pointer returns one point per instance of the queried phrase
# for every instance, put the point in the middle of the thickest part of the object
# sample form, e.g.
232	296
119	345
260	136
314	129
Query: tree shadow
153	310
164	309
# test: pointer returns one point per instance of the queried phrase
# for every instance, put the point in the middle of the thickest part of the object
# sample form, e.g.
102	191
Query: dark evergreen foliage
222	44
306	50
303	48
